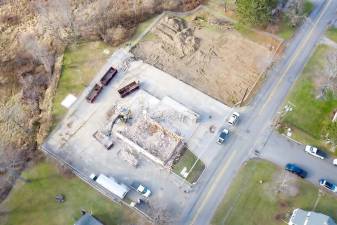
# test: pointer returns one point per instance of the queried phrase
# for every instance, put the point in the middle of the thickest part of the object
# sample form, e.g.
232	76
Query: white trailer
111	185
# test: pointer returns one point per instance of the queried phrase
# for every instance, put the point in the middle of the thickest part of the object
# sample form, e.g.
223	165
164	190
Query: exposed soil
283	185
222	62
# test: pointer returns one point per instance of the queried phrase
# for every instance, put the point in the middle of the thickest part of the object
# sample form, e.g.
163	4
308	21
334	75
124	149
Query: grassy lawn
34	202
332	33
308	7
286	31
81	62
310	114
248	201
141	28
189	160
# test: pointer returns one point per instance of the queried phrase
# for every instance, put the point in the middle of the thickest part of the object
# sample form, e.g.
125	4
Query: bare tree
294	10
39	51
104	20
56	16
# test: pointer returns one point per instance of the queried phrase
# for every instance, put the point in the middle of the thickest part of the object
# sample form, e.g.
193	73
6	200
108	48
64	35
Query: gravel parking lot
72	140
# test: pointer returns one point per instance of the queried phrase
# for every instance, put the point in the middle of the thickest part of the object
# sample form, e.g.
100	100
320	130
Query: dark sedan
292	168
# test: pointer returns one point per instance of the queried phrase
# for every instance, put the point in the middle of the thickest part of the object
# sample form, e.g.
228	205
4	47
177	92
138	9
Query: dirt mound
176	38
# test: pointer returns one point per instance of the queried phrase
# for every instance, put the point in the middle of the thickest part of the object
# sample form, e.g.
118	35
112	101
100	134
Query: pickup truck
328	185
222	137
141	189
315	152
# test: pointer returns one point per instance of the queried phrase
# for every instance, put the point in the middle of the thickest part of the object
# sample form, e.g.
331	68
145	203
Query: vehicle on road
328	185
334	162
293	168
234	118
141	189
111	185
222	137
315	152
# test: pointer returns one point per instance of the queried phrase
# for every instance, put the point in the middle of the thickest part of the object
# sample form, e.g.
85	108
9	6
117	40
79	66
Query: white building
301	217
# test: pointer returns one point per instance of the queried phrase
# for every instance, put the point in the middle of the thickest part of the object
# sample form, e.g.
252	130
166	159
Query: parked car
328	185
221	139
293	168
234	118
334	162
315	152
141	189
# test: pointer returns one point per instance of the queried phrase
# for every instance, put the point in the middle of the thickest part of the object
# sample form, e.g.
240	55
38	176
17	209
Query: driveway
280	150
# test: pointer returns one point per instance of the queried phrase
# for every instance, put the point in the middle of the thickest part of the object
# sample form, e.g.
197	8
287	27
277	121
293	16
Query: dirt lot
207	53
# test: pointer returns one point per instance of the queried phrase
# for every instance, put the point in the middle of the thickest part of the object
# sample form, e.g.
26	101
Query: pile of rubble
177	38
150	136
128	156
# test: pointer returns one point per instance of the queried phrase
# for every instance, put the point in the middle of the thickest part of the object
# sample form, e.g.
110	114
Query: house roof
301	217
88	219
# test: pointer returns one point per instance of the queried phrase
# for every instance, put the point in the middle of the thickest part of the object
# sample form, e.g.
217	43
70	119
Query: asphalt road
281	151
255	129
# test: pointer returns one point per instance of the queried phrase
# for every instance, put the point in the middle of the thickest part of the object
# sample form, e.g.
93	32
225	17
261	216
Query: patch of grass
308	7
247	201
255	36
310	114
189	160
286	31
141	28
332	34
34	202
81	62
